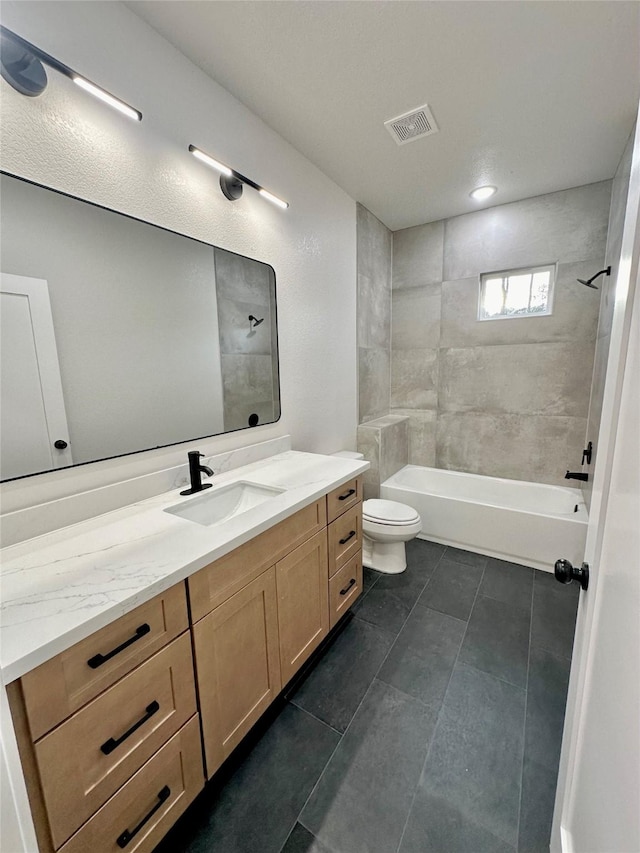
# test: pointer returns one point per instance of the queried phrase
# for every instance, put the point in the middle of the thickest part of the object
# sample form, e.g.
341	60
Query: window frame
507	273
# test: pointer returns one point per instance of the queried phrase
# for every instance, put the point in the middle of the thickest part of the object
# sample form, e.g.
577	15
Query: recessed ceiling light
482	193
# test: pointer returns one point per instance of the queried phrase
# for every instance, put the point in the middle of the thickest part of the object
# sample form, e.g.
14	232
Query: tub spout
576	475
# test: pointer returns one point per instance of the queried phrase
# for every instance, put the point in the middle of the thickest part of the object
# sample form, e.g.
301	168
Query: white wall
69	141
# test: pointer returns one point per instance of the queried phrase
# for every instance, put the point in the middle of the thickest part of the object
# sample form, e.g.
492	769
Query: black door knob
565	573
60	444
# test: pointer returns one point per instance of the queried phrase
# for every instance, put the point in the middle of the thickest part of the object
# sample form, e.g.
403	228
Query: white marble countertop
59	588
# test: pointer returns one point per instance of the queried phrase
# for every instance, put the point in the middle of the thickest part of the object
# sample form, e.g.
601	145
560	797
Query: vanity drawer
217	582
344	587
345	538
86	759
151	801
62	685
343	498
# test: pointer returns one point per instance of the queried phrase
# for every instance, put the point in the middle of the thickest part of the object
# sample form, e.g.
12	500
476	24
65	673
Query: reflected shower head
589	281
255	320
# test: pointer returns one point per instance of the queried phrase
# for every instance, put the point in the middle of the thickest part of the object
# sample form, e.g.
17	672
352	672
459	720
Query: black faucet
576	475
195	470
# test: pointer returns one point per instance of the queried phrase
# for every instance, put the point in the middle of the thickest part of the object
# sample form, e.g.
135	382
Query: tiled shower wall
374	315
607	285
506	398
248	359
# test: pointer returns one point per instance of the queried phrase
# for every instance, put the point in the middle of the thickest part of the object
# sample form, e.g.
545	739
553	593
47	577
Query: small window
516	293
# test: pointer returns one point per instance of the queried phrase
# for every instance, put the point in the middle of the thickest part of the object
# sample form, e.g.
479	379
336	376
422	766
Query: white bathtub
528	523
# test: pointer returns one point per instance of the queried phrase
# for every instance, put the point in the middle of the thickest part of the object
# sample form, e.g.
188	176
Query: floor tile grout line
324	769
524	723
492	675
438	718
313	716
367	691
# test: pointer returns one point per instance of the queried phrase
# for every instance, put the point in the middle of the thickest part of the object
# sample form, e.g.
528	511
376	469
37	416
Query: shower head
255	320
589	281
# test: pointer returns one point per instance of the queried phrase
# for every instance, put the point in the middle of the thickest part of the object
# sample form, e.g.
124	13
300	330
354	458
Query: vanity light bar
215	164
103	95
33	54
231	179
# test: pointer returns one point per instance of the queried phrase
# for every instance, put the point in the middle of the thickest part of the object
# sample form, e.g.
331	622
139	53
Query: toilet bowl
386	526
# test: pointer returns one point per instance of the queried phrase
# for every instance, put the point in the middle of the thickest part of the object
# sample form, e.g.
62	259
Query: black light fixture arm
44	57
232	182
22	66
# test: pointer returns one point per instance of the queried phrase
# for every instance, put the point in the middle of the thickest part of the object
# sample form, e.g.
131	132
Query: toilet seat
389	513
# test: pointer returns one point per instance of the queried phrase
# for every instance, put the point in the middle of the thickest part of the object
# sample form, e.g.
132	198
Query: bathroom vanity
171	636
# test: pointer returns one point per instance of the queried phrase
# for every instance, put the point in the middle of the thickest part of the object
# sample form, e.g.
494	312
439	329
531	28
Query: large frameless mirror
118	336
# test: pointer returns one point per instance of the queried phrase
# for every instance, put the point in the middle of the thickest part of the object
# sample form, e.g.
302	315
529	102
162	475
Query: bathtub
528	523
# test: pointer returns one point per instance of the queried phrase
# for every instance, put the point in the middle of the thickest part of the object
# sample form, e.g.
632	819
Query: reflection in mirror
118	336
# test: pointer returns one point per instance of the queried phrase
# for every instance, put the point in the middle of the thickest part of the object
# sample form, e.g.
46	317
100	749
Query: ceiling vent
412	125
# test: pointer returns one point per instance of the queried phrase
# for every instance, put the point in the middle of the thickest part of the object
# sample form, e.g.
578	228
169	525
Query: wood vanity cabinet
109	730
238	665
268	607
106	729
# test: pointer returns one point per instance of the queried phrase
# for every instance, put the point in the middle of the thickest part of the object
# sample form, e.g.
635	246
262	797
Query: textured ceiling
529	96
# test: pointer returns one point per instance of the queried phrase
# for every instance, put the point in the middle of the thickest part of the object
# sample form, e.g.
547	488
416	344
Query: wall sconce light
232	182
22	66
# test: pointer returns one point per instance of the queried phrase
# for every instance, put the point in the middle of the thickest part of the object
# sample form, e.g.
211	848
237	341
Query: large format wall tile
548	379
565	226
415	317
374	241
384	442
368	443
394	446
414	378
520	447
374	313
422	435
418	254
373	383
574	317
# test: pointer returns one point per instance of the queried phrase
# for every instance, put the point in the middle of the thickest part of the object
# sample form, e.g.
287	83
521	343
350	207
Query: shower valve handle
565	573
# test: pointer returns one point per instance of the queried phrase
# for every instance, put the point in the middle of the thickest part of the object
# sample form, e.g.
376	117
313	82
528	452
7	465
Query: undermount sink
224	503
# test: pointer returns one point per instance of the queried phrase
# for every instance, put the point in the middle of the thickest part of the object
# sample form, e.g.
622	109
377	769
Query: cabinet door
303	602
236	653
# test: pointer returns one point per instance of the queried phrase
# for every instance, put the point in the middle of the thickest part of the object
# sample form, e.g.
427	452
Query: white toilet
386	526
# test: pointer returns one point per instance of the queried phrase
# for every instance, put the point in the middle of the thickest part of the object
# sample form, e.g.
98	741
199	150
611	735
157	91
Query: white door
32	414
598	796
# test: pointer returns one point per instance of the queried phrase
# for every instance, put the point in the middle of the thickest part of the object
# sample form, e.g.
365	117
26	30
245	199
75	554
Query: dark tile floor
430	724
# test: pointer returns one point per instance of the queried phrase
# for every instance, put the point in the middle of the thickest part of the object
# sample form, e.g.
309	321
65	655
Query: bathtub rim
579	517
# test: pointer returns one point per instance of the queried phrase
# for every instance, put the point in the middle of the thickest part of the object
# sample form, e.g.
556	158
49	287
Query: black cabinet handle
60	444
347	587
98	660
123	840
109	745
347	495
344	541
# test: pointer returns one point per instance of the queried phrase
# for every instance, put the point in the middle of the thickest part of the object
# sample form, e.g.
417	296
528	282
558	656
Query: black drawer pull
347	587
347	495
98	660
109	745
344	541
123	840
